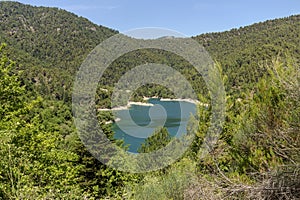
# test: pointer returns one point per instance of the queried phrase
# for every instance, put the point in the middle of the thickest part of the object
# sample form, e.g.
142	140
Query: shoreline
130	103
112	121
139	103
185	100
193	101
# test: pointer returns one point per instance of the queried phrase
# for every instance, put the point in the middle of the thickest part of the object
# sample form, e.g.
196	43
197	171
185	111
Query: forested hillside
49	44
241	51
256	157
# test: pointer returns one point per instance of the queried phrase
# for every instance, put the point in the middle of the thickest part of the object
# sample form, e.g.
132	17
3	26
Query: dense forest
42	157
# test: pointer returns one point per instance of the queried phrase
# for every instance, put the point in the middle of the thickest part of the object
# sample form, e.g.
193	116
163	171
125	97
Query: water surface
138	122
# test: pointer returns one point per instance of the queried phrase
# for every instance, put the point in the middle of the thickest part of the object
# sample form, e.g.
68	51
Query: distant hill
240	51
49	44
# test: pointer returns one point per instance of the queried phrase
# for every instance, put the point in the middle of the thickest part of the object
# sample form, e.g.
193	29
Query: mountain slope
241	51
50	35
50	43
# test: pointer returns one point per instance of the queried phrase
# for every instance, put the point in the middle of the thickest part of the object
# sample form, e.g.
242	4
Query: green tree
35	162
158	140
11	91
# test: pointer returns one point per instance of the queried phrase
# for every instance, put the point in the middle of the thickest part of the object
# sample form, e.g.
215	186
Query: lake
135	124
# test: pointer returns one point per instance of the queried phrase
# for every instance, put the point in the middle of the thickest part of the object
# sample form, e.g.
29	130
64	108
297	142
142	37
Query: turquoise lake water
139	121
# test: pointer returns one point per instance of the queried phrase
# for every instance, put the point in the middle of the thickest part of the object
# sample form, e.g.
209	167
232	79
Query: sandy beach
185	100
150	104
140	103
126	107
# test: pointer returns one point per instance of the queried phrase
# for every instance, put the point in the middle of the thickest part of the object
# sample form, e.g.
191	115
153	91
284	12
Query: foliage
170	184
260	139
158	140
42	156
256	157
34	160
